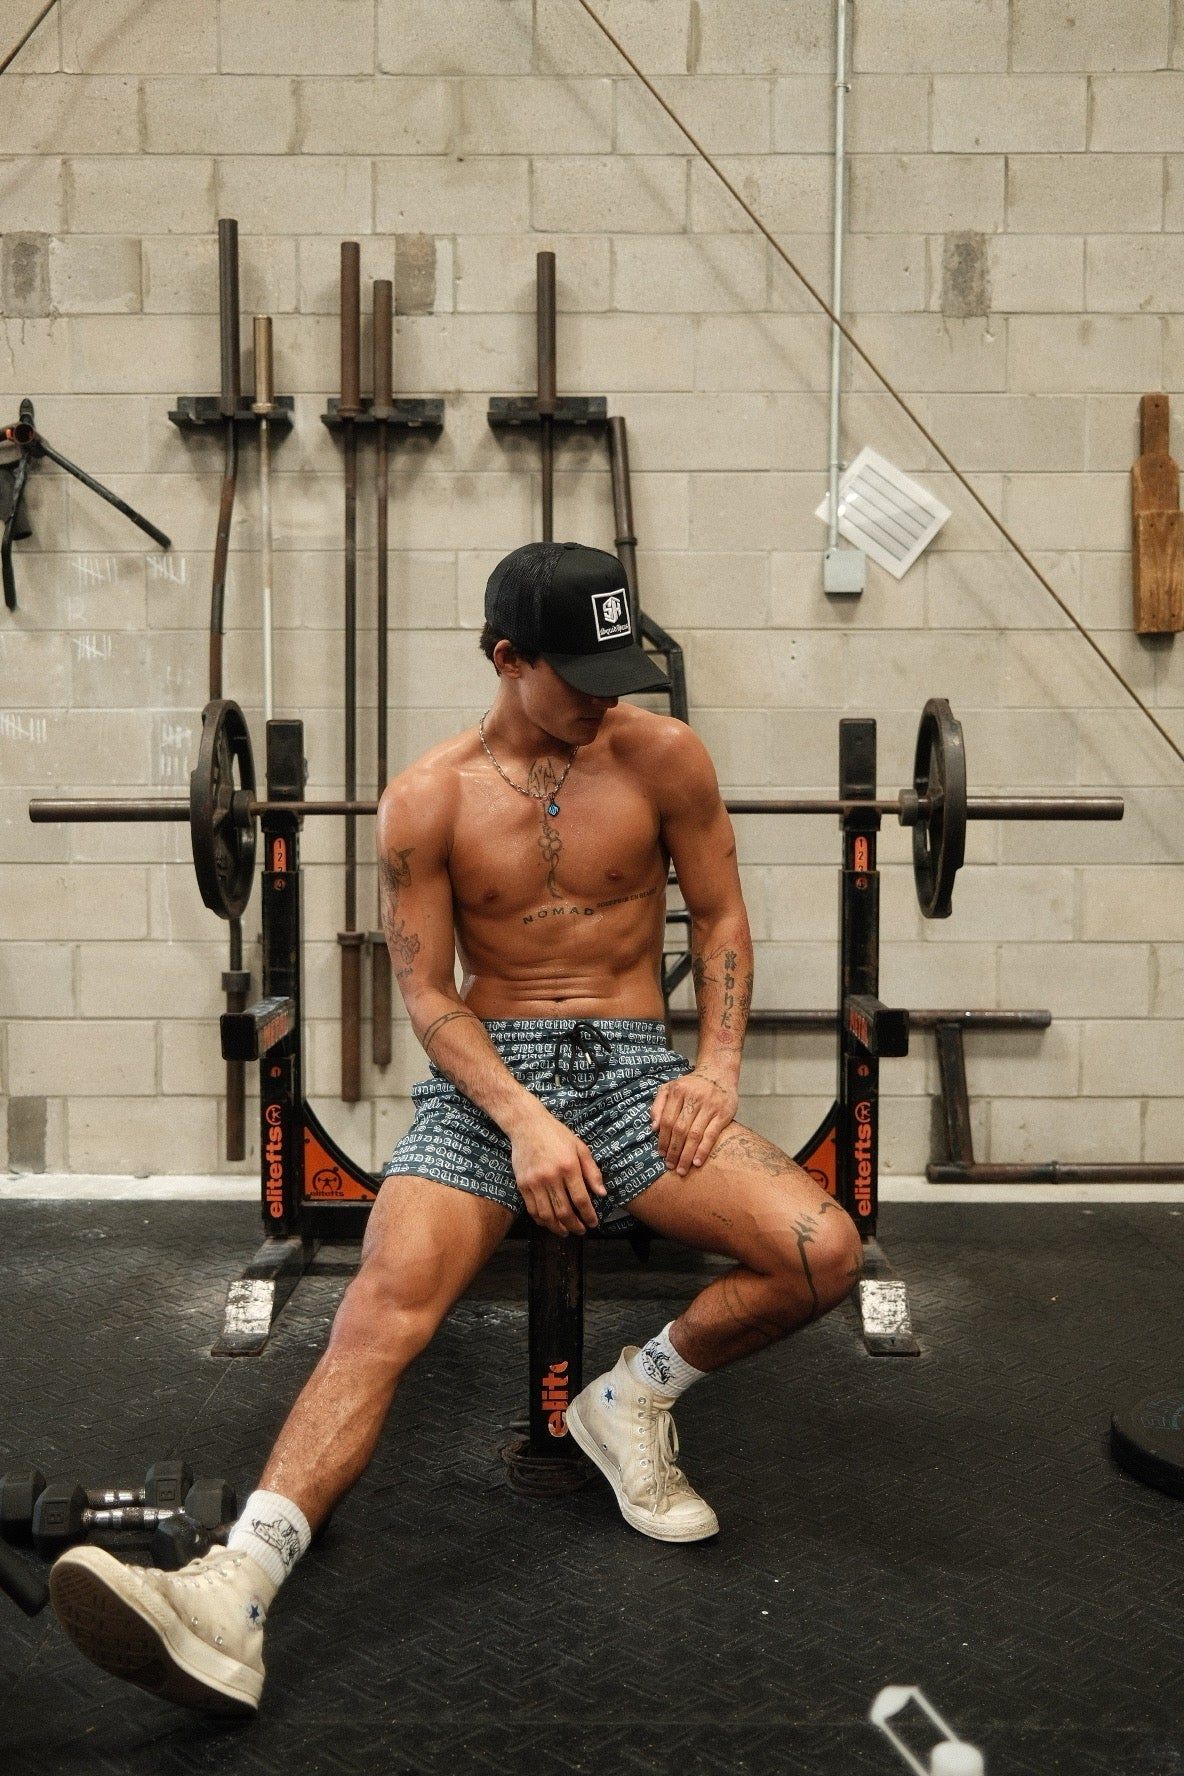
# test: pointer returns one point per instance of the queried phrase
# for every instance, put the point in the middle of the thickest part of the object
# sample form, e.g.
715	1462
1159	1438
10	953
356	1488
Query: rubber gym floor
951	1520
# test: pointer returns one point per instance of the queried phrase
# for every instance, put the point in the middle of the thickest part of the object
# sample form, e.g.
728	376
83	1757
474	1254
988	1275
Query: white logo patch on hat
612	615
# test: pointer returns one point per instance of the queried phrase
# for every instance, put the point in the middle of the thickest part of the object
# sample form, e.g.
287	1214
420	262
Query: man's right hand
557	1175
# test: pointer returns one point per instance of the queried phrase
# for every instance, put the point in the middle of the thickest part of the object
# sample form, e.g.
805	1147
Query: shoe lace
665	1478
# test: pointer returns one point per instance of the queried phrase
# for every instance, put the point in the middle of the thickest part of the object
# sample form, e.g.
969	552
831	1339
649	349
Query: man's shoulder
655	744
425	790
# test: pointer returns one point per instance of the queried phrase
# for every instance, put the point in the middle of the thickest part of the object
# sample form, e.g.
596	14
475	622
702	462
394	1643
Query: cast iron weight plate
939	779
220	820
1148	1441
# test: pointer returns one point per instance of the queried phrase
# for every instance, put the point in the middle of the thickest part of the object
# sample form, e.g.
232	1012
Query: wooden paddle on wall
1158	526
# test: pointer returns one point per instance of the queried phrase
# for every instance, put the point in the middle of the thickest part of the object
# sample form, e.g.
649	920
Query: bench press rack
313	1193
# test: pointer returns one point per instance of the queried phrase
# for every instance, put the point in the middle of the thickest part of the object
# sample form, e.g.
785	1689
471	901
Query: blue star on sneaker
608	1396
254	1614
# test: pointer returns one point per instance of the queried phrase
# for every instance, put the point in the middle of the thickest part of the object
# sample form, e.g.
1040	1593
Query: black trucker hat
571	605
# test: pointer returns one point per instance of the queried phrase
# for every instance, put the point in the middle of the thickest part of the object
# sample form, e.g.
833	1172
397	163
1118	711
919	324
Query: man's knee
819	1257
390	1313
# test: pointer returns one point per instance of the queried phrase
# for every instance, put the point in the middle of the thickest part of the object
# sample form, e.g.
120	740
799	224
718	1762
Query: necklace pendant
552	809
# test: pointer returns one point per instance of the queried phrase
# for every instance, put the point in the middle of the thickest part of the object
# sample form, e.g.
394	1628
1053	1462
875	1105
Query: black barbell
222	808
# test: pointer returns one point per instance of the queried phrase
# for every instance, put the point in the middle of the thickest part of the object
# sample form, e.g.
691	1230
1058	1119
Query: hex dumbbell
166	1486
63	1514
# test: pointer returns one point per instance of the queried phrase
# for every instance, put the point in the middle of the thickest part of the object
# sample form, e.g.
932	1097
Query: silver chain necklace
537	795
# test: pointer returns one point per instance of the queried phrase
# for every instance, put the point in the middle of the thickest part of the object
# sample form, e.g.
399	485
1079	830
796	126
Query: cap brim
611	674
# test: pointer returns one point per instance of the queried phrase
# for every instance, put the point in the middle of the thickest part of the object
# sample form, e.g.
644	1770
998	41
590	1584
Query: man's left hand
689	1115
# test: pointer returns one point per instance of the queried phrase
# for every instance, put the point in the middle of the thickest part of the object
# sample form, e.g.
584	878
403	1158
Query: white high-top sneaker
194	1637
627	1430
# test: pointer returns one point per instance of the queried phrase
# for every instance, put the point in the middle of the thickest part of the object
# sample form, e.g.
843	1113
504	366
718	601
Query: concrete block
755	511
882	273
749	670
761	352
68	749
1008	113
899	36
1137	113
1064	354
496	272
191	1064
181	277
1073	1130
1036	273
965	589
1119	749
42	54
963	668
886	114
905	1136
627	353
705	590
465	37
1168	980
655	32
930	352
535	116
1173	354
121	671
1094	37
144	1137
1106	591
1068	511
382	115
319	288
214	114
122	194
1047	668
82	1060
689	273
672	432
24	275
1081	980
661	507
75	114
921	974
1141	1059
996	905
926	193
35	669
1174	191
629	194
798	599
1010	432
965	276
760	37
452	196
273	37
47	902
94	274
149	980
1135	903
1161	1131
1112	433
168	37
37	980
35	355
324	194
787	191
33	194
728	113
1085	193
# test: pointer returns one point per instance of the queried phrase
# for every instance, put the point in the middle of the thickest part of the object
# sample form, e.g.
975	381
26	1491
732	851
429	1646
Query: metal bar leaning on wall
350	938
382	407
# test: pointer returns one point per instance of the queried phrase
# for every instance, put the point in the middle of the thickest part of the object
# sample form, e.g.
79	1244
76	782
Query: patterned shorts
599	1076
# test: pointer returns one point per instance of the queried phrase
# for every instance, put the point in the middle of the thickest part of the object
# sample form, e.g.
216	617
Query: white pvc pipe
836	300
265	560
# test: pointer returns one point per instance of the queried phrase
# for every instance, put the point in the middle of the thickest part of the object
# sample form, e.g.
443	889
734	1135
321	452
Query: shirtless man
536	848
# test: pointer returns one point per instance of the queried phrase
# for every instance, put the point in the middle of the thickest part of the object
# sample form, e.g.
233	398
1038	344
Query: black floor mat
951	1520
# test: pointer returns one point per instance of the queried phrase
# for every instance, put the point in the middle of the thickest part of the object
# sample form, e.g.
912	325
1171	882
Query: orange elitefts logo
863	1158
555	1399
273	1162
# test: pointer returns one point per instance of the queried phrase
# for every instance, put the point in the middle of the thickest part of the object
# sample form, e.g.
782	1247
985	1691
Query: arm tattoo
404	946
428	1035
396	873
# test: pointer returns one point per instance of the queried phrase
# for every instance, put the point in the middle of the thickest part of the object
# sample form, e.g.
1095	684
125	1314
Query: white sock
658	1366
273	1532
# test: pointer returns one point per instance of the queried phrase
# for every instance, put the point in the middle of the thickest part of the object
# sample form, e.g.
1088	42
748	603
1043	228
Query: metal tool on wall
229	409
30	447
263	406
546	409
349	412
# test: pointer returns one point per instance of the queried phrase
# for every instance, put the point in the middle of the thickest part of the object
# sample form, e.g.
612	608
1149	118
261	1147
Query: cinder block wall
1017	194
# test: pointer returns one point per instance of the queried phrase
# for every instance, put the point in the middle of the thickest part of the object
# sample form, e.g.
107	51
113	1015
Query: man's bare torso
558	916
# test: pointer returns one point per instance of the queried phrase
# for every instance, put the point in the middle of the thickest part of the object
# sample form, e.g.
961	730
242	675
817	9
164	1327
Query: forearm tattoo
429	1034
